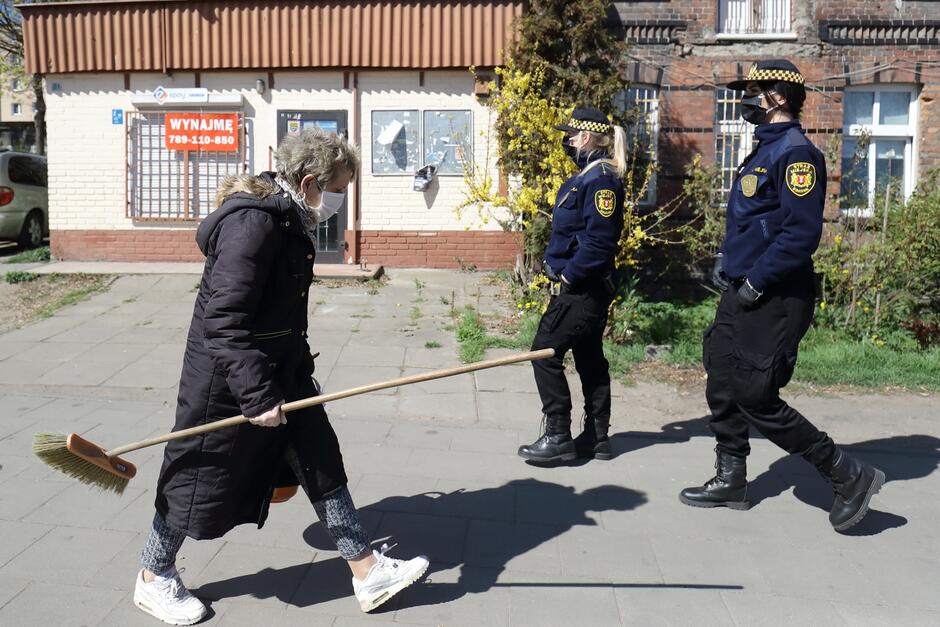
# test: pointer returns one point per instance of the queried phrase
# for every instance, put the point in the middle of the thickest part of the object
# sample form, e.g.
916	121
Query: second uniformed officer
586	225
765	271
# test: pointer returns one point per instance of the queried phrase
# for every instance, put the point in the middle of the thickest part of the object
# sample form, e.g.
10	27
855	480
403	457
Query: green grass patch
420	285
19	277
827	359
432	344
96	284
416	314
473	339
34	255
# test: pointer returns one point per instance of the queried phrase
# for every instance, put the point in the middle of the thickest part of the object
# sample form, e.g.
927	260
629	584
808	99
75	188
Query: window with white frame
754	17
640	105
878	131
17	108
15	84
734	137
445	138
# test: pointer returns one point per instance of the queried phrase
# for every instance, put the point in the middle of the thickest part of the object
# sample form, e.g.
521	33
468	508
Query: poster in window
216	132
394	142
448	140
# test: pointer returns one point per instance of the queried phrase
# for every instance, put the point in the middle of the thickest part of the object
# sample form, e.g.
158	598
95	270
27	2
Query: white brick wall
388	202
87	152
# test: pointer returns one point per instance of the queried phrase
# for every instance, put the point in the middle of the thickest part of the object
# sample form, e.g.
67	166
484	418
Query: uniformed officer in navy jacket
587	221
765	273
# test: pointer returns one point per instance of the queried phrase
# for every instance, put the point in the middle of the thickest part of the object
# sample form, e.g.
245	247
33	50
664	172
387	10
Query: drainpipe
352	236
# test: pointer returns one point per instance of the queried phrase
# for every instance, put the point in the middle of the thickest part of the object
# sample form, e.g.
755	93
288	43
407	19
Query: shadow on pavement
541	511
900	457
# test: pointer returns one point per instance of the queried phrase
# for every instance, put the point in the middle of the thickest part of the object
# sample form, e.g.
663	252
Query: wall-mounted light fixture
260	86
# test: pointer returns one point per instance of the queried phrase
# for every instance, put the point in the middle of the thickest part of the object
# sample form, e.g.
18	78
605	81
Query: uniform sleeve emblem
605	201
801	178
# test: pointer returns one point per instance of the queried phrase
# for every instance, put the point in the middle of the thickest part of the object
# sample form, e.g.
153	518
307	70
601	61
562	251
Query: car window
27	171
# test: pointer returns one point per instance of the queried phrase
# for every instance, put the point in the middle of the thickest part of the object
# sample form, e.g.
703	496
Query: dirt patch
684	378
31	300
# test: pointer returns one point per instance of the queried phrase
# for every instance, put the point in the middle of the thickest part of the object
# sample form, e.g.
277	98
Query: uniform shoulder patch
801	178
605	200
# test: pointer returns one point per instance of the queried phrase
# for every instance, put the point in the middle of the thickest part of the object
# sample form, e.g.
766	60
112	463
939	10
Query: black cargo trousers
575	320
749	354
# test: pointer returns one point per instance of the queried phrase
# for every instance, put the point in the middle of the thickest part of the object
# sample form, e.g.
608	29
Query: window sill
756	37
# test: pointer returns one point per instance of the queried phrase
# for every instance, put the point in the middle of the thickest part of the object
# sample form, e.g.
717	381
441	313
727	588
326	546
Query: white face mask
330	202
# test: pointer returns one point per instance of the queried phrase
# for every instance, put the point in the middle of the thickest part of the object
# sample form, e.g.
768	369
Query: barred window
734	138
750	17
165	184
640	105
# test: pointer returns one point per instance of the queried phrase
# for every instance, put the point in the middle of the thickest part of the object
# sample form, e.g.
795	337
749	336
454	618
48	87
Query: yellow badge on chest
801	178
606	201
748	185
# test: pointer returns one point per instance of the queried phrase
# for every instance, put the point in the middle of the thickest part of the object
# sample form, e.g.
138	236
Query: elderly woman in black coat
247	353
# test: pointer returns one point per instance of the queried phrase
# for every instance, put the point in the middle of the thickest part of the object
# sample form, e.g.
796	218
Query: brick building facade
872	68
369	68
393	77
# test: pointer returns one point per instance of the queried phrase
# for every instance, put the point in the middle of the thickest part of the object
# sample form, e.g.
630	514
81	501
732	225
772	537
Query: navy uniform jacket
586	223
775	211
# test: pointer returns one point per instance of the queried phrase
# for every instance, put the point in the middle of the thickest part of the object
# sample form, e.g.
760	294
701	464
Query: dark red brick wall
125	245
689	71
487	250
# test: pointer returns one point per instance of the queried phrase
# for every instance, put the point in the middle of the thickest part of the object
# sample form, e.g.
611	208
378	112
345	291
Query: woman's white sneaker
167	599
387	578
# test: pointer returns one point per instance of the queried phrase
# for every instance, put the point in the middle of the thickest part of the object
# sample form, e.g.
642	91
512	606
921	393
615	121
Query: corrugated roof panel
140	35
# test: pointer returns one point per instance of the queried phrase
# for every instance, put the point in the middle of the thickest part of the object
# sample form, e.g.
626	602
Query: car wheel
31	235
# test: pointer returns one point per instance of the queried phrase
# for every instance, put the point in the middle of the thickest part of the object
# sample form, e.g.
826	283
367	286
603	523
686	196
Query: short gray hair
314	152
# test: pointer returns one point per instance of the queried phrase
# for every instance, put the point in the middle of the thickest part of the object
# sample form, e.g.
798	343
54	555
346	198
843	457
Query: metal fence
173	185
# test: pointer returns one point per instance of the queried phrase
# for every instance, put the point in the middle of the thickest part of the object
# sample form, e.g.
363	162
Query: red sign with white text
202	131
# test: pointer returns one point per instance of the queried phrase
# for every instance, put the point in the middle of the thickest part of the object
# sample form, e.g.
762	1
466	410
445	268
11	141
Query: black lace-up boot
728	488
555	443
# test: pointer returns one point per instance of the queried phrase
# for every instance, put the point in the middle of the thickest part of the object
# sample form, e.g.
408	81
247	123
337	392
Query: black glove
719	278
747	295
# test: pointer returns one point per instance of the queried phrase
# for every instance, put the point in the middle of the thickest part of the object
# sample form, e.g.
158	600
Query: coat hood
240	192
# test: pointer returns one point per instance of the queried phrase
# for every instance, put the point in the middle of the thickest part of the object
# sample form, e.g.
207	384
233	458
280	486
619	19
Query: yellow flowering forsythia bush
531	156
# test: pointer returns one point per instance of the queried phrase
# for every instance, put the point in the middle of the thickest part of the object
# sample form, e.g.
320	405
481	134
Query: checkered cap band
594	127
787	76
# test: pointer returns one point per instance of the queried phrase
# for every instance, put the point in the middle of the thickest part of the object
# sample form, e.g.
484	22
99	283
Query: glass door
330	237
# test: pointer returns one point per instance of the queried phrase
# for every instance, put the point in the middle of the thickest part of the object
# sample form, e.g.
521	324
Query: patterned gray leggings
336	512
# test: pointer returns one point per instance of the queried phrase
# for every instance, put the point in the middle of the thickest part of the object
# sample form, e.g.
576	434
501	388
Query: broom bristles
52	449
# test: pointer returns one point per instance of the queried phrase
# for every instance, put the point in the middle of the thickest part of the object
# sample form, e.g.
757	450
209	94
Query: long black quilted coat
246	351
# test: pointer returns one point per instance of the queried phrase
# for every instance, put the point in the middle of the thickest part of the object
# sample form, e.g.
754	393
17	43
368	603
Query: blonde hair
314	152
616	143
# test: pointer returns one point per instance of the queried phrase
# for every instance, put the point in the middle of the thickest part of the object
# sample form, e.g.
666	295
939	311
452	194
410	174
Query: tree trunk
39	114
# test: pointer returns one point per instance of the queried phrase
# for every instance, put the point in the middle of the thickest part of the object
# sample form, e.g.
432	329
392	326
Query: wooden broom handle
325	398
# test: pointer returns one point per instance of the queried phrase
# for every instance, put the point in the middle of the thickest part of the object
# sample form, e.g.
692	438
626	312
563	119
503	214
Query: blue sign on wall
117	116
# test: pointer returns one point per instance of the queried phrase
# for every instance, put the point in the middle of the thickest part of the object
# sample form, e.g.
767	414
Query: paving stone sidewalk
433	467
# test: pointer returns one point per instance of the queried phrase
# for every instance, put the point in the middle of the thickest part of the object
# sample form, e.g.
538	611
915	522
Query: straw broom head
83	460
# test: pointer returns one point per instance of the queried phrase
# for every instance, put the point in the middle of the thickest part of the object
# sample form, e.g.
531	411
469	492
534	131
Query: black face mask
752	111
570	150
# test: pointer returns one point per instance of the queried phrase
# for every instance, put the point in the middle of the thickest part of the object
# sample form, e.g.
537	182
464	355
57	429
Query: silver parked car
24	198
